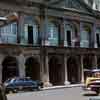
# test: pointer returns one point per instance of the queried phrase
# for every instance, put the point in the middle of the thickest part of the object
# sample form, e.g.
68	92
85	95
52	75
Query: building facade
56	42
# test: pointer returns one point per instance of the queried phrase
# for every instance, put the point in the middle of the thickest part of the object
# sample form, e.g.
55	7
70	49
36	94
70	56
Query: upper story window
9	33
52	34
89	2
30	32
9	29
68	35
85	36
98	37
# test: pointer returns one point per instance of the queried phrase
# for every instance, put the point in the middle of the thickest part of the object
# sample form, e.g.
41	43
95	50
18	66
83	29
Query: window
98	37
68	38
98	40
68	32
97	3
52	34
30	33
9	33
84	36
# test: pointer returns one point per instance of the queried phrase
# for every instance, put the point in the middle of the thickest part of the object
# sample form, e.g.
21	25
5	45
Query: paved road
75	93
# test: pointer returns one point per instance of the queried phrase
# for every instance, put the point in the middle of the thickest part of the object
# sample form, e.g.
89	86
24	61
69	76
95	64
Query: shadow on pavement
90	94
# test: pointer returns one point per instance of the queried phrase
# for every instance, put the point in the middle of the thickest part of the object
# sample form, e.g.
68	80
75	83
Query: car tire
10	91
15	91
97	92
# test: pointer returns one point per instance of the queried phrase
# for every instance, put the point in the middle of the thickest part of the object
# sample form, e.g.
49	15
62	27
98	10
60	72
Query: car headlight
6	84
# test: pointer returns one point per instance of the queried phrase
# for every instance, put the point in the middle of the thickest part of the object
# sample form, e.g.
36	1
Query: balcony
8	38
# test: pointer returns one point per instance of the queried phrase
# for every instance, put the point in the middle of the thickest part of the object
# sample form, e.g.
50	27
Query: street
75	93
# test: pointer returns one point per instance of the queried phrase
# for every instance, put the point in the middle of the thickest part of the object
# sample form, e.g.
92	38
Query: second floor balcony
8	38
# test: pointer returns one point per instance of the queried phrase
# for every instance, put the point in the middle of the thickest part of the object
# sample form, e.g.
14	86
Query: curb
60	87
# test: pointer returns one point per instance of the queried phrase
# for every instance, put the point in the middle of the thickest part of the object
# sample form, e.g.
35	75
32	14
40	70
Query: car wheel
97	92
20	87
39	88
15	90
11	91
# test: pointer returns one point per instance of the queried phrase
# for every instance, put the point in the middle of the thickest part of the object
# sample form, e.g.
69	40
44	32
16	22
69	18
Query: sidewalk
64	86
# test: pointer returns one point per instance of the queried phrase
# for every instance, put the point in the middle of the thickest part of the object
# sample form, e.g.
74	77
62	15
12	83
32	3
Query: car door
19	84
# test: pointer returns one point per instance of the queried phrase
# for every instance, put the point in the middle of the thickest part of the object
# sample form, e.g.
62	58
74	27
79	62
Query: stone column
93	36
94	5
1	67
94	61
62	33
46	73
20	29
21	65
65	37
66	71
82	70
44	26
81	29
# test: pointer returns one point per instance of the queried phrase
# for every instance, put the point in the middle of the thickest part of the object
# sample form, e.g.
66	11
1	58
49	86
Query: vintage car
93	83
22	84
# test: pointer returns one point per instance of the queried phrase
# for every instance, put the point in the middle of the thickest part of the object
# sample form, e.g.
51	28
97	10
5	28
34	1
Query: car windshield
12	80
7	81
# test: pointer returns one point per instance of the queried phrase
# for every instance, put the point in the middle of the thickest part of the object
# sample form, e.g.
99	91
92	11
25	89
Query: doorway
68	37
30	34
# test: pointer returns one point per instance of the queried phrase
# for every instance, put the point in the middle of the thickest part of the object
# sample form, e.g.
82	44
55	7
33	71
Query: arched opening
32	68
73	70
98	62
56	71
10	68
87	63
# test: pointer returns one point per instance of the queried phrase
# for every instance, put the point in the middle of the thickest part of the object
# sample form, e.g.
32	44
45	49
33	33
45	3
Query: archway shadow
32	68
10	68
55	70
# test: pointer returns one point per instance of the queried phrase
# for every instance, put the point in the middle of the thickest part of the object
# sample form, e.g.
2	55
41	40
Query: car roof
95	70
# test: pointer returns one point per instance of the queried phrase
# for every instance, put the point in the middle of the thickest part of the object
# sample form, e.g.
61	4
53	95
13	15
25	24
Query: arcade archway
32	68
98	62
10	68
56	71
87	63
73	70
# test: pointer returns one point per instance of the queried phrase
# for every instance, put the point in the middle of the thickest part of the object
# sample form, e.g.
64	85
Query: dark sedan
22	84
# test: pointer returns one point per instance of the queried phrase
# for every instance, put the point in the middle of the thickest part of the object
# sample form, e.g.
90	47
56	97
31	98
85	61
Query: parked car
2	93
22	84
93	83
95	86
